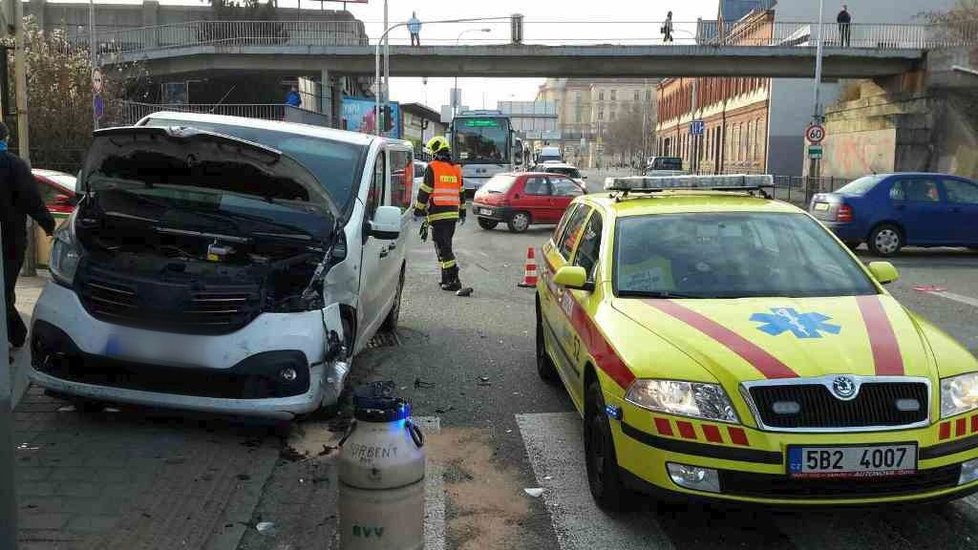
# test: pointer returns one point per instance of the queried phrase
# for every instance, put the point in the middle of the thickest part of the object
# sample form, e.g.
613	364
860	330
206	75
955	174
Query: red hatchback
519	200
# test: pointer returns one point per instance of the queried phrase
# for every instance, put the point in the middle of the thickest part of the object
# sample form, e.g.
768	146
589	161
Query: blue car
890	211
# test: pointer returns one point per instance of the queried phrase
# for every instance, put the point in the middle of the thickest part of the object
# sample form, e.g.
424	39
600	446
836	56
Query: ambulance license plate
852	461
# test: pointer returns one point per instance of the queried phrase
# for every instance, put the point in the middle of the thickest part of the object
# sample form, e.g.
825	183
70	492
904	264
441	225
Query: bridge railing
134	111
702	33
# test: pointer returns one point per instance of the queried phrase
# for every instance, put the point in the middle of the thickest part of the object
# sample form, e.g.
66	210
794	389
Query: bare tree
60	98
624	136
959	24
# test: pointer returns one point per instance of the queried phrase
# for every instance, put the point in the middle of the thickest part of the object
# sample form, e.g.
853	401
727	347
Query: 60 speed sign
815	133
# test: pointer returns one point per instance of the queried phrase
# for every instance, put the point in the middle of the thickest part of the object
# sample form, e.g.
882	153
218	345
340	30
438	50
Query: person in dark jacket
844	19
19	198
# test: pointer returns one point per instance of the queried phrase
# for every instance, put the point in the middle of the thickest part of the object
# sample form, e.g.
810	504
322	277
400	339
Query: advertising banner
357	114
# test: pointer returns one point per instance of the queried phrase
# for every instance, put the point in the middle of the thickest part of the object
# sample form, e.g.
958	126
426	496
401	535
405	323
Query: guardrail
132	111
702	33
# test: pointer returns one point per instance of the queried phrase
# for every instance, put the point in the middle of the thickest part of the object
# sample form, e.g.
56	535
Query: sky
554	21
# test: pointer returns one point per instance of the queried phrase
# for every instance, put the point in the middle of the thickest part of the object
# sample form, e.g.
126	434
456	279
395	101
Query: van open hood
177	157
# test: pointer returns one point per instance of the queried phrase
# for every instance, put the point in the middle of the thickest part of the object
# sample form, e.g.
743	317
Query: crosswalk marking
553	444
960	298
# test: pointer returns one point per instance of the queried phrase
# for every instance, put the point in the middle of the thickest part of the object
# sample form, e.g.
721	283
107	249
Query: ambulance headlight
695	399
959	394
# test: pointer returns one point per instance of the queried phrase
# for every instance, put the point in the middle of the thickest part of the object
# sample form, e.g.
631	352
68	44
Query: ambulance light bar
733	182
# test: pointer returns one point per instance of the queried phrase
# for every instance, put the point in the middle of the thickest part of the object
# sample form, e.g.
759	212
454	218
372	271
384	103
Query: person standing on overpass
667	28
414	27
442	198
844	20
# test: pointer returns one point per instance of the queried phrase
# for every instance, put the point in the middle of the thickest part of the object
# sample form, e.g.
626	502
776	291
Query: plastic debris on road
534	492
265	527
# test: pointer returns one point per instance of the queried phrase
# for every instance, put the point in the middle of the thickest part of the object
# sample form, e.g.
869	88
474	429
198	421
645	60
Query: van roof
344	136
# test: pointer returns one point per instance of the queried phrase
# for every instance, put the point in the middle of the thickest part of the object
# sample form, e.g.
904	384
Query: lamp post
815	168
455	94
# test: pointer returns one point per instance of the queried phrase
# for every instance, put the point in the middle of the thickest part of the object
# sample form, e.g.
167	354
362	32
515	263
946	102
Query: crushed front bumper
275	367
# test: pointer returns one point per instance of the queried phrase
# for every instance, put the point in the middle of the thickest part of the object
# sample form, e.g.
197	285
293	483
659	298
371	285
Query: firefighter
442	198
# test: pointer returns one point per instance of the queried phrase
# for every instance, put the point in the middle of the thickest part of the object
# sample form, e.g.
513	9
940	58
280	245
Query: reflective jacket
442	195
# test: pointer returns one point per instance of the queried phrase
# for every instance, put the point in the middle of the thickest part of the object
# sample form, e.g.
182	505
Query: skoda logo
844	387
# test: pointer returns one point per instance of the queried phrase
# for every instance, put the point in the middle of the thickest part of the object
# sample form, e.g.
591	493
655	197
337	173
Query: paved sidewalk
133	478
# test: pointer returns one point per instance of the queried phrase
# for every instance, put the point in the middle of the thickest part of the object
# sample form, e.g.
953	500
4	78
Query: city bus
484	144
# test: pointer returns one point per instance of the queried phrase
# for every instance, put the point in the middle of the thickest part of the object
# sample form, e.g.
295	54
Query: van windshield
335	164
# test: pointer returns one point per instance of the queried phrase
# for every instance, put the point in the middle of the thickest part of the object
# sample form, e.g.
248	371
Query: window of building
578	96
600	114
613	95
636	95
600	95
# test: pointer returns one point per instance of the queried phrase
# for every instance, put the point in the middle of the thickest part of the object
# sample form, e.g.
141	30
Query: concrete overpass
580	61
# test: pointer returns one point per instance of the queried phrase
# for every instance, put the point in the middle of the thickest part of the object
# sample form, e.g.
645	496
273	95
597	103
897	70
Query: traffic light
388	122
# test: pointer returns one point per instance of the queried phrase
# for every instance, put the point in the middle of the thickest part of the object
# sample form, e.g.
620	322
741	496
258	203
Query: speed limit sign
815	133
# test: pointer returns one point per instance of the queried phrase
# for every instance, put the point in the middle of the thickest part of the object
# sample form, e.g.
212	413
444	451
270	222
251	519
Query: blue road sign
697	127
99	105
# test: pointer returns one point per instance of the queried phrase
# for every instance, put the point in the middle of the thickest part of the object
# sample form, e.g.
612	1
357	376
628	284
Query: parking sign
697	127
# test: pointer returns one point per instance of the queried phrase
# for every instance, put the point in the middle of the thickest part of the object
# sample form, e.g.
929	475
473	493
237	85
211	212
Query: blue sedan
890	211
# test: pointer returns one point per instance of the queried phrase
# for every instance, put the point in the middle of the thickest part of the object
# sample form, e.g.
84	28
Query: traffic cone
530	270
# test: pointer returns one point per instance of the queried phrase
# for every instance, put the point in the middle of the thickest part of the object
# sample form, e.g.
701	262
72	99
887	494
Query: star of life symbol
802	325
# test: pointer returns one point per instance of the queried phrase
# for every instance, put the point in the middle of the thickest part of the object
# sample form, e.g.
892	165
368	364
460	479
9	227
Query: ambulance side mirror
884	272
573	276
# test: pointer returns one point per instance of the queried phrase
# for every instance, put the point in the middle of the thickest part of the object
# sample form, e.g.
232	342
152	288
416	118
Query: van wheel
603	476
545	367
519	223
885	240
390	322
487	224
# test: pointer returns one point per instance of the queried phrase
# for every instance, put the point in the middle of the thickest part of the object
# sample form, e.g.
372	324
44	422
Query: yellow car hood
756	338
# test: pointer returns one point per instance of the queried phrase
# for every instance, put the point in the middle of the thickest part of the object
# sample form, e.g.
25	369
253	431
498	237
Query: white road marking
956	297
434	491
554	445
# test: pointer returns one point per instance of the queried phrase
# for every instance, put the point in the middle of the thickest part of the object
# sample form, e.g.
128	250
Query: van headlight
695	399
959	394
65	255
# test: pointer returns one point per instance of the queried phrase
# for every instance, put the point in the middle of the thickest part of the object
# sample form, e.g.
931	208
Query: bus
484	144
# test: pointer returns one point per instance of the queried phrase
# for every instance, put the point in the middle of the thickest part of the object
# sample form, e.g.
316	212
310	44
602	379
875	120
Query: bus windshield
481	140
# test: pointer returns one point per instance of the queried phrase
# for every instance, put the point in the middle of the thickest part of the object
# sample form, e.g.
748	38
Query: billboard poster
357	115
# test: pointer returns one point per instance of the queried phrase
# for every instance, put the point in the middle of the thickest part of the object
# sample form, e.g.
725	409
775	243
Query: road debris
534	492
420	384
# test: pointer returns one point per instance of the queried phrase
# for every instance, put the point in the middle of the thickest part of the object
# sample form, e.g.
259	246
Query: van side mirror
386	224
884	272
573	276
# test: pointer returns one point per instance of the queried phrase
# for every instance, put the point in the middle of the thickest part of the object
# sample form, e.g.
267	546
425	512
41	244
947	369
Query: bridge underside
531	61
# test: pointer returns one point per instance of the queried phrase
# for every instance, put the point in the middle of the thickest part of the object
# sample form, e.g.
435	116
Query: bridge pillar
331	95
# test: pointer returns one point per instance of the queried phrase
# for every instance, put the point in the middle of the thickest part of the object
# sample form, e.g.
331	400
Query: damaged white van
224	265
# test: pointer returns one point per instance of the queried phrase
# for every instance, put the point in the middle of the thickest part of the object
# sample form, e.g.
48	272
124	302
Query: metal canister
381	473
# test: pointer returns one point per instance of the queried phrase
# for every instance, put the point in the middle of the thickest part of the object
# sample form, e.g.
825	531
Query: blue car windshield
860	187
732	255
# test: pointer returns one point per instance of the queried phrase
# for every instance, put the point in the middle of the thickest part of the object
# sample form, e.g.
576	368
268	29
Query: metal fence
709	33
134	111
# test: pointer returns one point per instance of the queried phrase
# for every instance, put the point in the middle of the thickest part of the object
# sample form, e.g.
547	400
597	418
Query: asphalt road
469	362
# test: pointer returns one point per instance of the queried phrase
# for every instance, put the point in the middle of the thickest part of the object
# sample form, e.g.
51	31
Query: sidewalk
132	478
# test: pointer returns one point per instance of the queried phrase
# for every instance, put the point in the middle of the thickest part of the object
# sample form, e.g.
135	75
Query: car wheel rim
887	241
521	221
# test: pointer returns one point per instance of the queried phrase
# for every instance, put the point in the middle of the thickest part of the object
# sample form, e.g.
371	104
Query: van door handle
393	246
384	252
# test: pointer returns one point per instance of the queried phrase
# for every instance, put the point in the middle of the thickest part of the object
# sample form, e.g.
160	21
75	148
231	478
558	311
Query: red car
57	190
519	200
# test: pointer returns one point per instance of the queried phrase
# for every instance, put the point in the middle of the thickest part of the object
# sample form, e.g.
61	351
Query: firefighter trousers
442	232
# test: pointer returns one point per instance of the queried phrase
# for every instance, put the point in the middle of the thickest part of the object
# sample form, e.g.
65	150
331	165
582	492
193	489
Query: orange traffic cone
530	270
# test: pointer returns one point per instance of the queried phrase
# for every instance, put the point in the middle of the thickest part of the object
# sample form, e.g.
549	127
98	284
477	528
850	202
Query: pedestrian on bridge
19	198
844	19
667	28
414	27
293	98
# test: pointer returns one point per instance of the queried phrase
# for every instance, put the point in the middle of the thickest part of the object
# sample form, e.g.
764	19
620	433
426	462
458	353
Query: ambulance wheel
545	367
487	224
519	222
603	475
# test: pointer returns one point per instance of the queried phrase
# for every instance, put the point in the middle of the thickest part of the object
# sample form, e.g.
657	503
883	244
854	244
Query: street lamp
455	98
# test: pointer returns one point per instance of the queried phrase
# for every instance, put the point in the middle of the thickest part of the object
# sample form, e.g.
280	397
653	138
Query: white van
549	154
224	264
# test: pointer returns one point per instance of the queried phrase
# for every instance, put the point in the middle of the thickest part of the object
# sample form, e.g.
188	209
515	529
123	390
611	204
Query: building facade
758	125
587	111
421	123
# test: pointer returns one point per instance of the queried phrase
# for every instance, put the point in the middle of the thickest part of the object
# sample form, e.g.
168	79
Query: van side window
375	197
402	178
